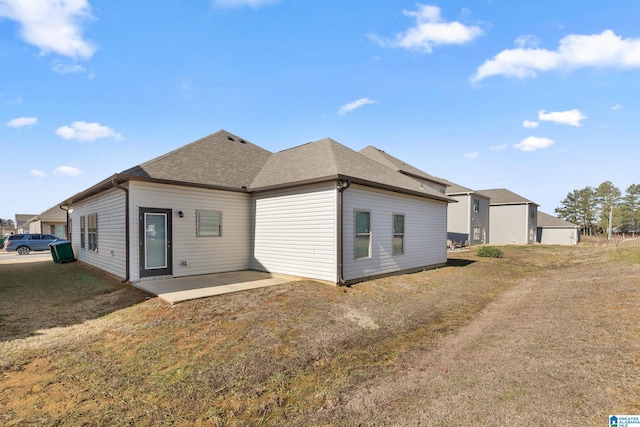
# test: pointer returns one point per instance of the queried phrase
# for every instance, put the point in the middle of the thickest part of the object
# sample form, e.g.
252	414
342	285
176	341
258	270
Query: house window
209	223
398	234
83	232
476	205
92	231
362	242
532	212
476	233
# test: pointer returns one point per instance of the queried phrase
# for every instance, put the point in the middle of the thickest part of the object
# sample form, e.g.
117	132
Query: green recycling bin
62	252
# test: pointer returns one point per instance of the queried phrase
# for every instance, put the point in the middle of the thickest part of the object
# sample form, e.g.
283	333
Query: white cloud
530	124
533	143
240	3
470	155
605	50
61	68
499	147
37	174
22	121
86	132
570	117
429	31
527	41
355	104
617	107
67	171
52	26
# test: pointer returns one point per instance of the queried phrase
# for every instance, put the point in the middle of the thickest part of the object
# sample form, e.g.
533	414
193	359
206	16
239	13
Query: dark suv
25	243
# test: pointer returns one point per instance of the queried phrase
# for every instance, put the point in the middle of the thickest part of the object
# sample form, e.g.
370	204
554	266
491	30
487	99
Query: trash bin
61	252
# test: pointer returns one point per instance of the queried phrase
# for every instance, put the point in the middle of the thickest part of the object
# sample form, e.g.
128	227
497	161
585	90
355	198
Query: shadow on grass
456	262
43	295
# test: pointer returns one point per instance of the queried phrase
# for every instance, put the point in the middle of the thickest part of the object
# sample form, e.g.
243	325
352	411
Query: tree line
603	209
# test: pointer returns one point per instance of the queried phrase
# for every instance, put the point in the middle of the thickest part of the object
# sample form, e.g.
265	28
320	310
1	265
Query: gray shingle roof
218	160
226	161
394	163
546	220
327	159
502	196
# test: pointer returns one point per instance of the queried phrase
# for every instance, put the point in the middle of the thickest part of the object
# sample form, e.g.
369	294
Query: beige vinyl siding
425	232
295	231
203	255
111	253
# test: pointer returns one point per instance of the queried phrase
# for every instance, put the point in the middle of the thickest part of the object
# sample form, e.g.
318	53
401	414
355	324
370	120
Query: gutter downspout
126	228
343	186
67	222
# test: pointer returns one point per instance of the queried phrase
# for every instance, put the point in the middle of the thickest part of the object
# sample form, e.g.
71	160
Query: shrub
490	252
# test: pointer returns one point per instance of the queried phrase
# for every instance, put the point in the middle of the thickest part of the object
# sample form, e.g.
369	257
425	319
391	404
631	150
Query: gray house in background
396	164
512	218
557	231
220	204
468	221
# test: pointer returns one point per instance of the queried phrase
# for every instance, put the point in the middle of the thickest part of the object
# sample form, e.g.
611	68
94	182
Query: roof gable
502	196
218	160
546	220
327	159
394	163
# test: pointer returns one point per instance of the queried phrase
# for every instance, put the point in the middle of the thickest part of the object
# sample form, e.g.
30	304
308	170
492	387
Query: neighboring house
468	221
556	231
52	221
512	218
21	223
319	210
396	164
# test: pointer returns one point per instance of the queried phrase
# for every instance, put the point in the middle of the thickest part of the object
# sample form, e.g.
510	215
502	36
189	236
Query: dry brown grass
544	334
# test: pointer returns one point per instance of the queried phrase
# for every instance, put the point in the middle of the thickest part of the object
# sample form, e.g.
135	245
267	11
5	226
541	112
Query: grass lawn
543	335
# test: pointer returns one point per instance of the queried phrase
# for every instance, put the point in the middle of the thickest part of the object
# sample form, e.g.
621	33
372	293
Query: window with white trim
362	238
476	205
476	233
208	223
398	234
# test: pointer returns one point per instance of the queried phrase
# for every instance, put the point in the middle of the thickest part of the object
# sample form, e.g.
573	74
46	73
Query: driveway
14	258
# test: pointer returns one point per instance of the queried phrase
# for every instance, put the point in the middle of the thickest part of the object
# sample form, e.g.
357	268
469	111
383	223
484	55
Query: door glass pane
155	226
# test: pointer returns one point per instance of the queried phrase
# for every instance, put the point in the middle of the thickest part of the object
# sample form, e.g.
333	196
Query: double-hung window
362	241
208	223
476	205
476	233
83	232
92	227
398	234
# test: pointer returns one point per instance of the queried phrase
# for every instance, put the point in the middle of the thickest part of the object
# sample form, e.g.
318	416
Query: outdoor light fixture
181	214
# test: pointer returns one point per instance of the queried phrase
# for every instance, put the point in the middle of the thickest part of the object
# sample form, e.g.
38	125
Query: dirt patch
544	335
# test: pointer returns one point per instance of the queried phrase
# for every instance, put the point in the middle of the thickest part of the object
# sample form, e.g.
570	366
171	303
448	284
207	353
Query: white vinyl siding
295	231
425	233
110	255
229	252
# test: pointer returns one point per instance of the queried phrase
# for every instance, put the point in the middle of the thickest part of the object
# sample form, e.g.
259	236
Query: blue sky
537	97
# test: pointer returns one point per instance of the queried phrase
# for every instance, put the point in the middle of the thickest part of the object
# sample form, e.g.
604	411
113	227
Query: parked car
25	243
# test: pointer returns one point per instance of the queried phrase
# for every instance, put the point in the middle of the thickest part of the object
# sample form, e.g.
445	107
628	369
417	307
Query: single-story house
219	204
468	221
557	231
52	221
512	218
21	224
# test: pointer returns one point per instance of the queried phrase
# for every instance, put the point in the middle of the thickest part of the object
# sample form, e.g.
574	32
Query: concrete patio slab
174	290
